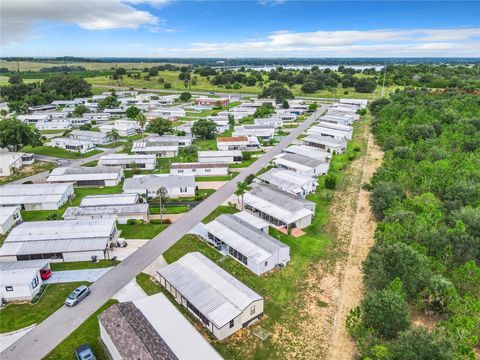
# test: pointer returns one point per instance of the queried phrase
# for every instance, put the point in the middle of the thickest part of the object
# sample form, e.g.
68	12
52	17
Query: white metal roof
112	210
335	126
118	159
325	140
214	292
177	332
298	161
23	265
256	245
6	212
91	134
110	199
319	129
85	173
308	151
253	220
16	194
17	277
286	179
219	153
156	181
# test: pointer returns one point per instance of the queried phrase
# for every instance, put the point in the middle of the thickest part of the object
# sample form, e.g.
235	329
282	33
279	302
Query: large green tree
204	129
160	126
14	134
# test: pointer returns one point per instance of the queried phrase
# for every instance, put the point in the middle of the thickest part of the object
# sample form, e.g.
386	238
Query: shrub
330	181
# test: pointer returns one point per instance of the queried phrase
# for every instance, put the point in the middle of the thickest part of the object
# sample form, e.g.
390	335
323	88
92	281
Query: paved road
40	177
35	344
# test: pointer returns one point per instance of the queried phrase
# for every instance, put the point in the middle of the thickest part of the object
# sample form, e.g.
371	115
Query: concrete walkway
61	323
210	184
132	291
67	276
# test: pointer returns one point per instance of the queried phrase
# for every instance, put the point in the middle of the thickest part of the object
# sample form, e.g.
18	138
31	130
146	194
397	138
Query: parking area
89	275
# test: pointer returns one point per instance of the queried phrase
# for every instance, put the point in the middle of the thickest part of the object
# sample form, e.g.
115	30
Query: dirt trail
358	230
334	285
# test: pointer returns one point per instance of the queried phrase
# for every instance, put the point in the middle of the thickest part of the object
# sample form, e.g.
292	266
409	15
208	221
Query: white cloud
372	43
19	17
271	2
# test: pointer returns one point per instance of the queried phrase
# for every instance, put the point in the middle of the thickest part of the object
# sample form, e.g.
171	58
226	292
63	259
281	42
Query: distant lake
302	67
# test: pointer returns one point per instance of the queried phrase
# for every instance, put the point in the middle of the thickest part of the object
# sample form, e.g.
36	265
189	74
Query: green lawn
28	170
180	209
58	152
148	284
91	163
16	316
78	265
87	333
243	164
219	211
216	178
208	144
114	144
141	231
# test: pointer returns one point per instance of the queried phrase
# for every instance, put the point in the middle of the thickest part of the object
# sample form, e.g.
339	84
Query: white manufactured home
87	176
238	143
9	162
328	131
262	132
21	280
148	185
121	213
217	156
74	145
62	240
302	165
151	328
199	169
159	149
36	196
9	217
289	181
279	208
251	247
98	138
326	143
140	162
123	127
223	304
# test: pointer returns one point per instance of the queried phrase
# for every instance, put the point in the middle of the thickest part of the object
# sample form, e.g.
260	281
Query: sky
248	28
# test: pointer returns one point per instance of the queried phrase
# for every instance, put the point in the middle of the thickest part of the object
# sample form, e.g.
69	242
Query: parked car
77	295
84	352
45	274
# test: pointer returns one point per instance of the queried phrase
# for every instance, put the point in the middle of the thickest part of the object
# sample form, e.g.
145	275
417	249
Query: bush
330	181
383	196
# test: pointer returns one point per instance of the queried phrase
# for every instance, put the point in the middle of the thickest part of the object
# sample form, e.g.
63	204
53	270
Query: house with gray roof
148	185
151	328
251	247
289	181
87	176
36	196
126	161
302	165
326	143
95	137
222	303
279	208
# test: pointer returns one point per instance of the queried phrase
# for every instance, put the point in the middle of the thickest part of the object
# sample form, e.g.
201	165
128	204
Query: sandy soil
334	285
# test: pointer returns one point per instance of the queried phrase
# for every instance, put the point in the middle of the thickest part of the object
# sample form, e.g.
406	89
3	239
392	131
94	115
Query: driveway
210	184
67	276
133	245
132	291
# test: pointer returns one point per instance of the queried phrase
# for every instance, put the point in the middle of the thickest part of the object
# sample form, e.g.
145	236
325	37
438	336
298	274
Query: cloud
371	43
20	17
270	3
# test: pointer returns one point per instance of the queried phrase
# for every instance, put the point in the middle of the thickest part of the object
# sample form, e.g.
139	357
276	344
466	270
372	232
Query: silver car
77	295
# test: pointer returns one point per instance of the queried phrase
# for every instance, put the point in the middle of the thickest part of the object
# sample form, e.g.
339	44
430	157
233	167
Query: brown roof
232	138
196	165
133	335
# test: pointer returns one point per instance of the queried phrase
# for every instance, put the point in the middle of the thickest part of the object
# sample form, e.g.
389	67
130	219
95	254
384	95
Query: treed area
426	197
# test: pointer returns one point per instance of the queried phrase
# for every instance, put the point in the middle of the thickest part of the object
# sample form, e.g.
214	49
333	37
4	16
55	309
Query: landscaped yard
219	211
16	316
58	152
28	170
148	285
216	178
87	333
78	265
174	209
141	231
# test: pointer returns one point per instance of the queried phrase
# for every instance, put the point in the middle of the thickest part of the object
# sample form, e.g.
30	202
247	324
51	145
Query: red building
212	101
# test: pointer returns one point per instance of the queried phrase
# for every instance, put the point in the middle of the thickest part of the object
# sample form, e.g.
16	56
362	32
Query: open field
19	315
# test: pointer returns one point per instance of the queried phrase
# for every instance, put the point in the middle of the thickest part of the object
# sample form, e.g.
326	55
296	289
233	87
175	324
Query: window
194	170
208	170
266	263
35	282
252	310
8	288
180	171
232	323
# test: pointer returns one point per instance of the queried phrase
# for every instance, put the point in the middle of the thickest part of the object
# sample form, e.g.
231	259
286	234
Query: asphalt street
48	334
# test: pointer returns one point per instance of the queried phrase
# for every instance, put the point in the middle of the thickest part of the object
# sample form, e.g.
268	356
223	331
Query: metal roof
22	265
252	220
110	199
117	159
156	181
308	151
326	140
197	165
256	245
15	194
92	134
6	212
85	173
113	210
286	179
219	153
17	277
214	292
299	161
335	126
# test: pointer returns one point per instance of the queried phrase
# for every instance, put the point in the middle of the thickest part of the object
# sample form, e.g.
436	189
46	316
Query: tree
384	195
66	86
385	311
313	107
330	181
160	126
85	126
242	188
231	121
265	110
162	194
80	110
113	134
387	262
14	134
204	129
285	104
365	85
246	155
277	91
376	105
110	102
309	87
132	112
185	96
419	343
142	120
15	79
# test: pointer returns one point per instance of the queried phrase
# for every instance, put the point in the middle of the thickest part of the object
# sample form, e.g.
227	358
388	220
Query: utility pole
384	76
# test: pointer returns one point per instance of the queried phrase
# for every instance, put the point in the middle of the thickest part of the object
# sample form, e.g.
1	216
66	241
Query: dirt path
334	285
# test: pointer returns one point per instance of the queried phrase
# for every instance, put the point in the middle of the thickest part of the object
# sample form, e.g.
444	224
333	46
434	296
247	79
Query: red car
45	273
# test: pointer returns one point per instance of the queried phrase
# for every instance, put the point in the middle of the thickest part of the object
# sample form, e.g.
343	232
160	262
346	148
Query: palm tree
142	120
162	194
242	188
113	134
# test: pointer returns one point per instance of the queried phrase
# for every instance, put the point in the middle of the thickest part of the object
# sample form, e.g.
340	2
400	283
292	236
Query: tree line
426	257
